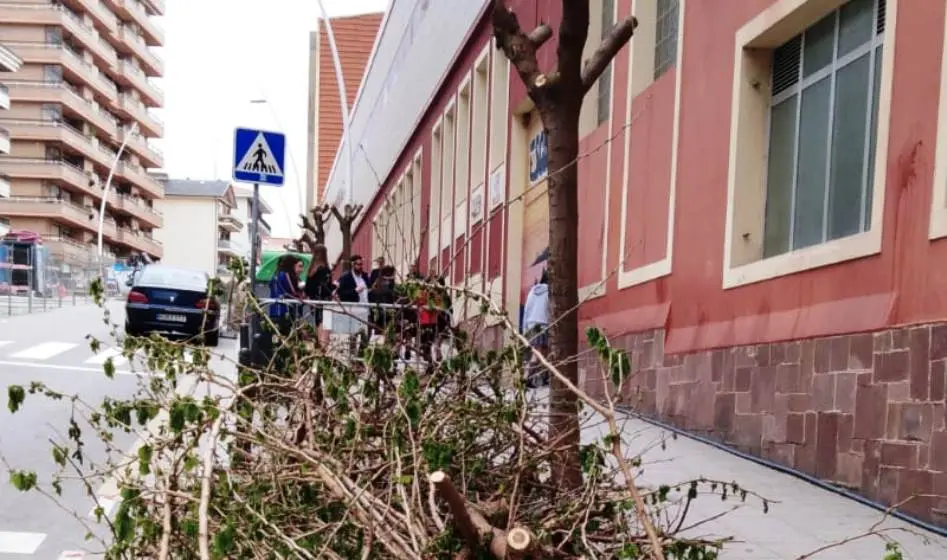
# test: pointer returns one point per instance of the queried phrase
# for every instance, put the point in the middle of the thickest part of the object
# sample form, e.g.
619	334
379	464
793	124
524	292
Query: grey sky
220	54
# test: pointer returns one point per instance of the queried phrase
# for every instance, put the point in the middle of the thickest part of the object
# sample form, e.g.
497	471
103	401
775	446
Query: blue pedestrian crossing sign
259	156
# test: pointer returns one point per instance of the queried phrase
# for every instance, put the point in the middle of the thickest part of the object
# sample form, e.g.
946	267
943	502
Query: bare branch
519	48
606	51
540	35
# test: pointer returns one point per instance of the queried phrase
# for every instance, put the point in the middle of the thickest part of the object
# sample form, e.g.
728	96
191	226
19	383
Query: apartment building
762	213
354	38
83	91
241	240
9	62
213	220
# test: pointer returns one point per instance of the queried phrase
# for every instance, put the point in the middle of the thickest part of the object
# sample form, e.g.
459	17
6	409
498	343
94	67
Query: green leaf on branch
15	397
24	481
145	454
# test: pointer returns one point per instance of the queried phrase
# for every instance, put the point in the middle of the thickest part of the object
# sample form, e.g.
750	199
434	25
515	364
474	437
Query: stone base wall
863	411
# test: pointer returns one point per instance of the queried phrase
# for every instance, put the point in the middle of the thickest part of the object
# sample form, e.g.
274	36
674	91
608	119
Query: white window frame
937	229
796	90
750	103
659	42
640	77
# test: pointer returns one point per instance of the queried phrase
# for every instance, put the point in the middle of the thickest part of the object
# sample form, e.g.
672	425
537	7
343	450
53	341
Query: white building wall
419	42
241	240
190	233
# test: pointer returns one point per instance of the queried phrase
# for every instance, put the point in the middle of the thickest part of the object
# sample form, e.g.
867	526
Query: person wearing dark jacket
319	285
354	284
377	271
383	292
354	288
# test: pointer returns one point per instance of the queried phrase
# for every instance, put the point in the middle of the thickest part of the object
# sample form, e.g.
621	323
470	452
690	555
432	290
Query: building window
605	80
665	43
822	126
52	74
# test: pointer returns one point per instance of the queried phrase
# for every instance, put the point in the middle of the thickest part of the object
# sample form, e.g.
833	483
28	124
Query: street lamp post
343	98
105	193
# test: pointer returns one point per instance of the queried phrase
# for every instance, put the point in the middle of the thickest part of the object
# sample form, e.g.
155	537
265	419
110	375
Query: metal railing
61	281
347	324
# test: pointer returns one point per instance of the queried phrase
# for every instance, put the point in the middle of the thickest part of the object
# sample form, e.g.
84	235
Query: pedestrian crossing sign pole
259	157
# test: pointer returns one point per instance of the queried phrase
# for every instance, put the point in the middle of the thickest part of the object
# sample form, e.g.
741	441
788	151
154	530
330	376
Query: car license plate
172	318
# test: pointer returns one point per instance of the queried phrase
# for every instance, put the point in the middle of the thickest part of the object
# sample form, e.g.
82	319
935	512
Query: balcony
154	7
133	76
104	18
151	156
51	208
69	251
75	68
136	175
51	15
228	248
4	98
133	109
59	172
134	206
4	141
61	132
133	43
63	94
4	185
140	242
229	222
134	10
109	227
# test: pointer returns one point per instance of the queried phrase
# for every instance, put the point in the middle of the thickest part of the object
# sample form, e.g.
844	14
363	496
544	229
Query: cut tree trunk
557	95
561	120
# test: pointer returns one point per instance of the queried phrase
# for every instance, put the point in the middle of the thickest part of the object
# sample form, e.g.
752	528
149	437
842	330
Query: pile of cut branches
319	456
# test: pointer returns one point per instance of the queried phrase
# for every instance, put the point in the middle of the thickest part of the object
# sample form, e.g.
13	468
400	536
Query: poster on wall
476	204
496	186
538	157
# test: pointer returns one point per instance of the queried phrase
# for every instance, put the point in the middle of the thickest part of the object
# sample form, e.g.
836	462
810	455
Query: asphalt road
52	348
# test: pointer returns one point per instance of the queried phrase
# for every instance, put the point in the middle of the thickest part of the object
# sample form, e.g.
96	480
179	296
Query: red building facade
763	201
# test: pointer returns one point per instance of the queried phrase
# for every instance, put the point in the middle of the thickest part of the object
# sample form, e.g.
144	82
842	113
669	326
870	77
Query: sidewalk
805	518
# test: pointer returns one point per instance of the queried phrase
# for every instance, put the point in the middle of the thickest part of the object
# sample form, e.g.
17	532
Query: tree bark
562	131
558	98
346	218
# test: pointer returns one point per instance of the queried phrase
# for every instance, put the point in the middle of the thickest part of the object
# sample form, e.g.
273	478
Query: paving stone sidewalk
805	518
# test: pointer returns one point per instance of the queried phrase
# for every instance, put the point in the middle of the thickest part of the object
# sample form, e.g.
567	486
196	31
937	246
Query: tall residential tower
84	89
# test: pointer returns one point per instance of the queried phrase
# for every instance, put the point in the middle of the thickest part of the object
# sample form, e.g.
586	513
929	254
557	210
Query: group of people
424	316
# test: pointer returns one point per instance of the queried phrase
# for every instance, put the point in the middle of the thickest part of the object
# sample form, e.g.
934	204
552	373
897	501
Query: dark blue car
173	301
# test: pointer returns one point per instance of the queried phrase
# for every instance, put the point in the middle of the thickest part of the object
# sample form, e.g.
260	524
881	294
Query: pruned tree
314	225
346	218
557	94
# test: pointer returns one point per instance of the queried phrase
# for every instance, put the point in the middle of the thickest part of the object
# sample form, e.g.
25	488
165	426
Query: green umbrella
270	260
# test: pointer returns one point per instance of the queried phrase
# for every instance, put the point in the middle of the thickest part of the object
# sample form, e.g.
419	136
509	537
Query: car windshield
167	277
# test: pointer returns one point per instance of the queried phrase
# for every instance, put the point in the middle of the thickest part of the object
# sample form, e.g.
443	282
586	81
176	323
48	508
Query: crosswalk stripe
20	543
104	355
44	351
5	342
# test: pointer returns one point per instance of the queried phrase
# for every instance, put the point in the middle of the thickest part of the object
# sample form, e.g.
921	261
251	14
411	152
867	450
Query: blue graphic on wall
538	157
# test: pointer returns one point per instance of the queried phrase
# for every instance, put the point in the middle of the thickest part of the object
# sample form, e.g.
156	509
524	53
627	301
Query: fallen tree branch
469	523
